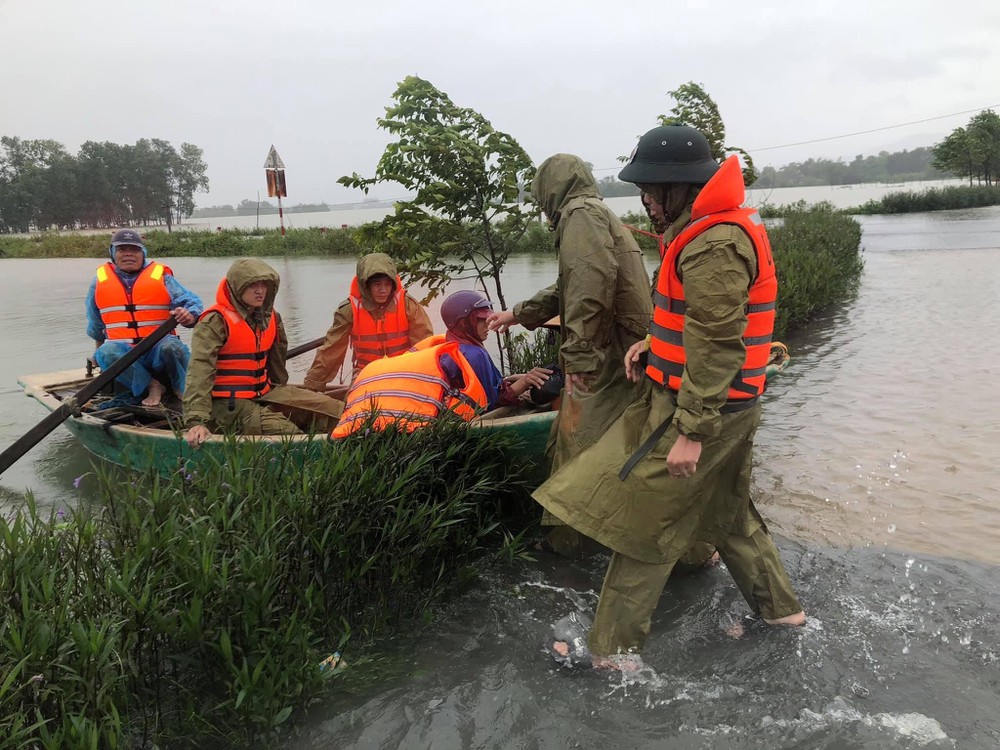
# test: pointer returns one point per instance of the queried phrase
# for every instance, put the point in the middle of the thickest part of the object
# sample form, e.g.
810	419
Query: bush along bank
196	610
935	199
225	243
904	202
817	251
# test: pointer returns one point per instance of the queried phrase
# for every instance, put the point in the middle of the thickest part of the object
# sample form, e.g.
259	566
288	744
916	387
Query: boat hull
144	448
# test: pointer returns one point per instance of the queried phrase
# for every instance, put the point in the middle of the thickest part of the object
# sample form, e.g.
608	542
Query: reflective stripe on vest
131	316
374	338
666	352
410	391
241	366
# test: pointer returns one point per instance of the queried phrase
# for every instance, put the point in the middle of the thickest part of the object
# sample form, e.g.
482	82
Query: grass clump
197	609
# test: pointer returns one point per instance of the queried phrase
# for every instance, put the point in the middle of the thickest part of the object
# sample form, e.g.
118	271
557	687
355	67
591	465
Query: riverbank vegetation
195	611
972	151
934	199
42	186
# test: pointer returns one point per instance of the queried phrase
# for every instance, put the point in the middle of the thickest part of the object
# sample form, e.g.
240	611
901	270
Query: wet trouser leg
755	565
629	597
135	378
169	363
251	418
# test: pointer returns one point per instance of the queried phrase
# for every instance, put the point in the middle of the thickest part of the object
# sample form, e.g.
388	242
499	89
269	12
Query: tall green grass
194	611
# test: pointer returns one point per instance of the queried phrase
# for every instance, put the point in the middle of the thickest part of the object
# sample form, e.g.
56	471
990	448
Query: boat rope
641	231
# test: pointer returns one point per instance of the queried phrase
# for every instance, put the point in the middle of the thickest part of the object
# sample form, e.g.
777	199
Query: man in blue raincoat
130	297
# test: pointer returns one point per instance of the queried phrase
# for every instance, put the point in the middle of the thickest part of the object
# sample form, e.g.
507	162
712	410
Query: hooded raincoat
601	297
330	356
285	409
651	519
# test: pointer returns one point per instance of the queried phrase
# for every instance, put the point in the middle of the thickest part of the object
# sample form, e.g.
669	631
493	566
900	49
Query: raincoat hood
372	265
559	180
242	274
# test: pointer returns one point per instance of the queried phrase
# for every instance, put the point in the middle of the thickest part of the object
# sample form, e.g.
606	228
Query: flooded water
875	469
840	196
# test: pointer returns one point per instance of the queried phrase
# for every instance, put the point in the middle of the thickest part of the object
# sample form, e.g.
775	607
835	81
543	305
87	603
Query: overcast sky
586	77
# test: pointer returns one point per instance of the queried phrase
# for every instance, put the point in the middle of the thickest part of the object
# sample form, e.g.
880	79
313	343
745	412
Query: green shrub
200	606
817	253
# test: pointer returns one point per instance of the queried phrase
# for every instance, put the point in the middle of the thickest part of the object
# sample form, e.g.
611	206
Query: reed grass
194	611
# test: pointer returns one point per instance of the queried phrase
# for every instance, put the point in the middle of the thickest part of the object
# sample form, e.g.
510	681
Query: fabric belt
730	407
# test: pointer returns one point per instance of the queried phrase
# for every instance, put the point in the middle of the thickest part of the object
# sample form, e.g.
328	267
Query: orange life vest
433	340
411	390
718	203
131	316
374	338
241	368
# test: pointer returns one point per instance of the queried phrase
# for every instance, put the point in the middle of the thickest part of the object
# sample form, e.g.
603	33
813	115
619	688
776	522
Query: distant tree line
972	151
42	186
897	166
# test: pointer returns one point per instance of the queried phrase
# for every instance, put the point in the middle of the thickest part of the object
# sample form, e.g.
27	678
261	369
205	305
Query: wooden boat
141	438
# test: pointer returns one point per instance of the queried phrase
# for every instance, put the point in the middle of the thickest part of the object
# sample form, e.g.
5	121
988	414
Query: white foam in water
917	728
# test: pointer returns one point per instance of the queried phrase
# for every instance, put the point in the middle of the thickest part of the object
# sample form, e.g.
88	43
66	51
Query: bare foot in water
579	657
155	396
628	663
738	629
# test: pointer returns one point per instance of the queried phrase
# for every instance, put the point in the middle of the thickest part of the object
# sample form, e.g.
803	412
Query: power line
873	130
849	135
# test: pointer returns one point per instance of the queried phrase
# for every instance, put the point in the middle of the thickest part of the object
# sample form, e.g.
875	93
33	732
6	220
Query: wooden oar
70	405
306	347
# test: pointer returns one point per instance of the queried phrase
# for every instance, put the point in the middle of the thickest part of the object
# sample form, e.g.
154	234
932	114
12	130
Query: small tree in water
698	110
468	179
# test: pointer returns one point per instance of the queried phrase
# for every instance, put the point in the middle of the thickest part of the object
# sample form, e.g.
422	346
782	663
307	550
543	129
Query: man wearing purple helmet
129	297
466	314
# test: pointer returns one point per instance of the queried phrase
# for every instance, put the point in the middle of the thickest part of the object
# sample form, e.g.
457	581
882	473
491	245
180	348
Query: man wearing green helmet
674	469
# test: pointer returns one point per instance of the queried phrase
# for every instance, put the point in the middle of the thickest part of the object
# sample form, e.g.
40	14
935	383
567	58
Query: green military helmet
671	153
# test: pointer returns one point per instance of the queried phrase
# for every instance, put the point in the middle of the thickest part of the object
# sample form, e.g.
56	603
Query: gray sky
312	76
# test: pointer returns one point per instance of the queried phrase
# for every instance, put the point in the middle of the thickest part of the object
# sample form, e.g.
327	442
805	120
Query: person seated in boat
378	319
130	297
452	372
237	380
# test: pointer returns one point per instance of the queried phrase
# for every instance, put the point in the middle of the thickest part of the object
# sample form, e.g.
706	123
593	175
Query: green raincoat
330	356
601	297
285	409
650	516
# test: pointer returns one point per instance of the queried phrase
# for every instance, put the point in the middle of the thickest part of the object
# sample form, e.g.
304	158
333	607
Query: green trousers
632	590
